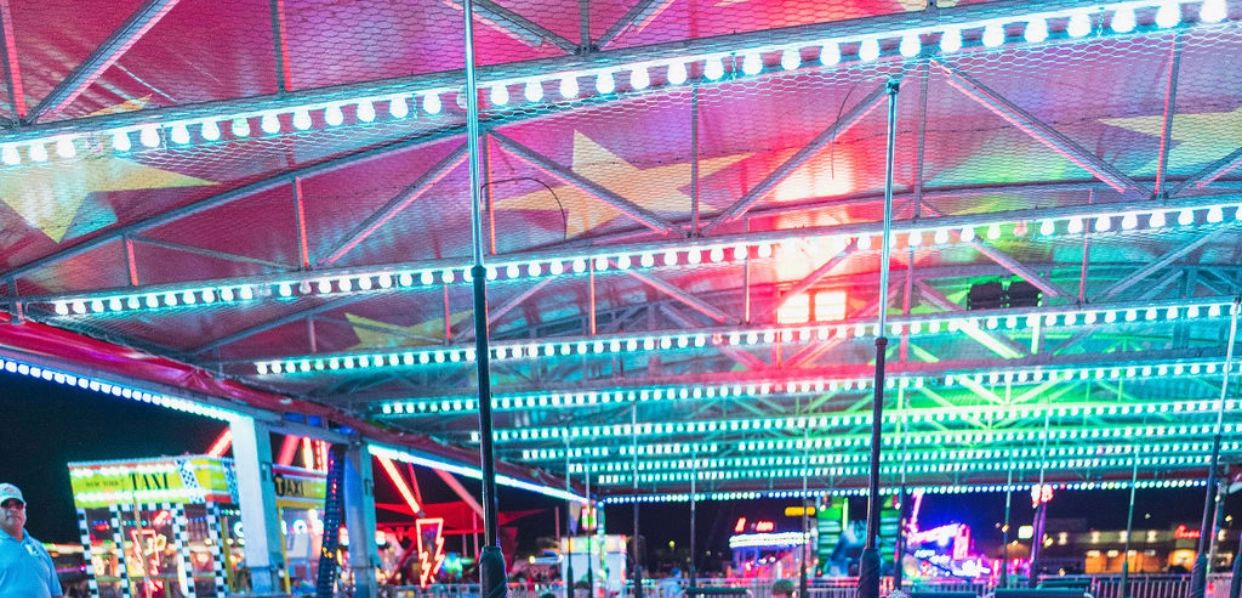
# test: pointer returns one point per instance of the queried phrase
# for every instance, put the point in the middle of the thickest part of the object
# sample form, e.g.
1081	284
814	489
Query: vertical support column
181	531
252	456
220	558
360	519
85	532
118	540
11	67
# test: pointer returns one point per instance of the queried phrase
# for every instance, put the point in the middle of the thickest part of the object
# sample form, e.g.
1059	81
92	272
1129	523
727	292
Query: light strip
970	414
469	472
1205	211
595	452
119	390
929	489
172	131
816	386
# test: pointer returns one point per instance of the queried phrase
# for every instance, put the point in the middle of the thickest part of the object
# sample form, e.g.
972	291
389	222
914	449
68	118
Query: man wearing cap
26	569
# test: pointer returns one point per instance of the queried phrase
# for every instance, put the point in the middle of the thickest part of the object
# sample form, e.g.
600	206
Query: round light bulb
713	69
639	78
993	35
994	232
240	127
1169	14
1075	226
1213	11
432	103
1129	221
910	45
398	107
210	130
968	234
301	119
499	95
951	41
1124	20
66	149
790	59
677	73
605	83
1157	220
752	64
533	91
1079	25
830	54
1186	218
270	123
149	136
1036	30
366	111
869	50
11	157
1103	223
333	116
569	87
1215	214
38	152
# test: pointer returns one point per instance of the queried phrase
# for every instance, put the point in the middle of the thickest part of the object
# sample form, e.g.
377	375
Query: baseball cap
8	491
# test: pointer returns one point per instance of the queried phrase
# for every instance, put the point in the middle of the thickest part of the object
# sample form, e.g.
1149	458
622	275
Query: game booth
169	527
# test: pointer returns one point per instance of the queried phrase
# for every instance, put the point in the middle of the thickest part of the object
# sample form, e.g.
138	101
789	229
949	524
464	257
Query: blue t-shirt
26	569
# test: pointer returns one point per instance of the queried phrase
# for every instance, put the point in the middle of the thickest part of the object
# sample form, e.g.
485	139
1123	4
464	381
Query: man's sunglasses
13	503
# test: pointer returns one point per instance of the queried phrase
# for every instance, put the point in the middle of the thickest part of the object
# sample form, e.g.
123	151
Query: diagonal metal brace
1041	132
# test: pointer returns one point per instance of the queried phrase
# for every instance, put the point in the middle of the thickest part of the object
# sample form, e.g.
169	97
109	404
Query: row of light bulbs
810	387
737	495
600	451
1037	28
926	236
836	422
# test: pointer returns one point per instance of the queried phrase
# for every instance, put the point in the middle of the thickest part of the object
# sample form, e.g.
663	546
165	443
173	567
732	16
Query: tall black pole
899	549
1198	578
1004	576
492	560
694	501
869	561
569	527
638	569
1125	553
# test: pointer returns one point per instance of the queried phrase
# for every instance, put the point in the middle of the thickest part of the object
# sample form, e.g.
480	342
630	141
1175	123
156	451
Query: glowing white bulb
1215	214
994	231
10	156
432	103
270	123
240	127
533	91
605	83
1169	14
398	107
333	116
1079	25
210	130
1103	223
790	59
951	41
869	50
500	95
677	73
713	69
968	234
366	111
640	79
864	242
1186	218
569	87
752	64
1036	30
66	149
1129	221
149	136
941	237
1157	220
830	54
1075	226
993	35
1213	11
1123	20
301	119
1237	214
914	239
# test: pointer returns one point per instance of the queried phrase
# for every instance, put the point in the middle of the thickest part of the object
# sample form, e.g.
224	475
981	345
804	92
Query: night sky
46	425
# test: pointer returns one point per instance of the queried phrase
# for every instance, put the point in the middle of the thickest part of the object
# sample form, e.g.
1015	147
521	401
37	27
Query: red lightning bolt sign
430	548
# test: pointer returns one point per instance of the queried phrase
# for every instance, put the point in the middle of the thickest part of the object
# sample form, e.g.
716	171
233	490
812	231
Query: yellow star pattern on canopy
374	334
657	188
1199	139
48	196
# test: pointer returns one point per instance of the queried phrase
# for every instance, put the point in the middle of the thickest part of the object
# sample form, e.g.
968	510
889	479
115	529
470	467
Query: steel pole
869	561
638	572
1125	553
569	527
694	459
492	560
1198	579
1004	576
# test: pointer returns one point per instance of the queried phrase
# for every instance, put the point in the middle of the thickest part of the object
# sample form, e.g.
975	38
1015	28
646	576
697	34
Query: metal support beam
814	277
272	324
515	25
825	137
494	315
394	206
12	67
360	513
741	356
1168	258
637	18
1170	107
211	253
284	72
1042	132
1000	345
1210	173
681	295
256	490
103	57
1019	269
638	213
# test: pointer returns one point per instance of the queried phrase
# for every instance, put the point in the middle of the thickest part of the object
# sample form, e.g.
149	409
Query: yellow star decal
127	106
48	196
1199	139
374	334
655	188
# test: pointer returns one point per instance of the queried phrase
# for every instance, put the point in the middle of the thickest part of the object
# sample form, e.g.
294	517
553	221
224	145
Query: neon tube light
469	471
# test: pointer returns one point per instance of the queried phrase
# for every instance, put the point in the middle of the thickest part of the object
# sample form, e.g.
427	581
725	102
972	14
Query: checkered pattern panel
213	531
181	532
118	513
85	532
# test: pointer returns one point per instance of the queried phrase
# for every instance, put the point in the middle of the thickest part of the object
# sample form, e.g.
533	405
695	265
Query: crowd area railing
1097	586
